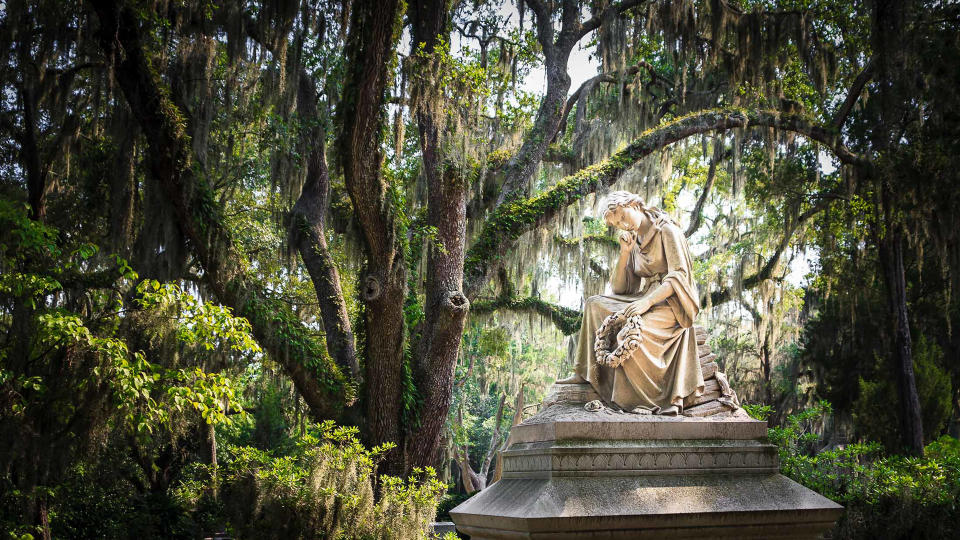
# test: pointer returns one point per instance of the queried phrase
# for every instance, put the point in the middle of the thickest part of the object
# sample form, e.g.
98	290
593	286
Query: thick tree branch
578	97
278	330
854	94
696	217
766	272
369	47
594	22
512	219
307	223
600	239
565	319
307	233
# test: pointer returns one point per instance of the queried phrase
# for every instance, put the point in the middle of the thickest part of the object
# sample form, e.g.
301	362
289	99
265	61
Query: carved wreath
617	338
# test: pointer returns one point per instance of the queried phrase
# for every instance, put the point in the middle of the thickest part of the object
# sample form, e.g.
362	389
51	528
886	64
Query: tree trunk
891	258
522	166
374	29
446	306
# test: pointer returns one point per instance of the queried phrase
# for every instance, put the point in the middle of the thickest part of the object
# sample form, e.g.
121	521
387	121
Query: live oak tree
356	178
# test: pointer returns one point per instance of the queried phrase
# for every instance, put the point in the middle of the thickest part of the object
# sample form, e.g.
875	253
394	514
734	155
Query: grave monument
646	438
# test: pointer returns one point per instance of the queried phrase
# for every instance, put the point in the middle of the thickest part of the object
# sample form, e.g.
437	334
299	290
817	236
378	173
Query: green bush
324	490
886	496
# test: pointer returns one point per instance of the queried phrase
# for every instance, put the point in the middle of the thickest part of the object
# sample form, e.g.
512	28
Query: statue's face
625	218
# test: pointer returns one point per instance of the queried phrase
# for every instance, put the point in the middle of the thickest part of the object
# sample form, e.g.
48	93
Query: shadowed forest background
294	268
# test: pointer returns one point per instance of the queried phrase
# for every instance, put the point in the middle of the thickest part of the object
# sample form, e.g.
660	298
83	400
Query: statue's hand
638	307
627	240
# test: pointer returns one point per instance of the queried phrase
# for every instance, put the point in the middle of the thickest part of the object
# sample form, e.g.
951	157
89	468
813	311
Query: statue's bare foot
573	379
672	410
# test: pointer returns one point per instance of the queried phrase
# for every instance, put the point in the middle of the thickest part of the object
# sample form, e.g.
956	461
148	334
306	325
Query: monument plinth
573	473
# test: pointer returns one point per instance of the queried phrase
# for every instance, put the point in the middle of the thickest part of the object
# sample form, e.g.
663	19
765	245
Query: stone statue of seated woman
637	346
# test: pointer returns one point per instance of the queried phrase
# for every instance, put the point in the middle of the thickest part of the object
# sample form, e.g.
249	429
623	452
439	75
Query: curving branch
521	168
307	222
565	319
515	217
696	217
594	22
544	26
766	272
600	239
325	388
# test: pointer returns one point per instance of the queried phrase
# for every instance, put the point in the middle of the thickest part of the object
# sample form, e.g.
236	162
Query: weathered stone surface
570	421
703	350
570	473
706	409
631	458
569	393
706	398
707	359
701	334
708	369
654	506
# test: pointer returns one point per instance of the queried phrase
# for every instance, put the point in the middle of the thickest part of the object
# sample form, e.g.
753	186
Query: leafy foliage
886	496
324	489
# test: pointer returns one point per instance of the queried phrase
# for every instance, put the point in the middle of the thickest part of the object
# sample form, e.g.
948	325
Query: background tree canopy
222	223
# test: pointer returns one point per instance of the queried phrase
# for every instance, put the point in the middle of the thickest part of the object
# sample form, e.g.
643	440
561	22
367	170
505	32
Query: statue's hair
618	199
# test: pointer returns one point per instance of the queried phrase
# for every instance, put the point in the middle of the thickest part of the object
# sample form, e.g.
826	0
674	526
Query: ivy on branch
565	319
515	217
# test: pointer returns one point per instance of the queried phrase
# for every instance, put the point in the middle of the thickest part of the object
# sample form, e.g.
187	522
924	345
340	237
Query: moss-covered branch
172	165
599	239
515	217
565	319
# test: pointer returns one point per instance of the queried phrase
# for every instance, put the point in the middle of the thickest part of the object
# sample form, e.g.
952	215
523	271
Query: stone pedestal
571	473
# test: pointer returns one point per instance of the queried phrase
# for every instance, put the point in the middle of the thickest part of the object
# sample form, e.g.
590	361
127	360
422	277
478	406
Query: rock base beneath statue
571	473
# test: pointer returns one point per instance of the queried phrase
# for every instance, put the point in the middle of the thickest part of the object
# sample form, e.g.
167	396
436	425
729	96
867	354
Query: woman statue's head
629	212
624	210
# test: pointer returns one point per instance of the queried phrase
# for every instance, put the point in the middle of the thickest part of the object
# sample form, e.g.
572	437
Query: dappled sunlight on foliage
885	495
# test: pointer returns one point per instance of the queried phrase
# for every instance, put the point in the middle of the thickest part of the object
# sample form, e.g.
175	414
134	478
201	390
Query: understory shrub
885	496
325	489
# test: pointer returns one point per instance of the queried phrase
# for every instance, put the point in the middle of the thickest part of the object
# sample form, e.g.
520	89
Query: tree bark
696	216
308	234
891	260
374	29
446	307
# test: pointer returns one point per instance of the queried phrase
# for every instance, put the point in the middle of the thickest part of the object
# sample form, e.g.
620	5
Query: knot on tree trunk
456	302
372	288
